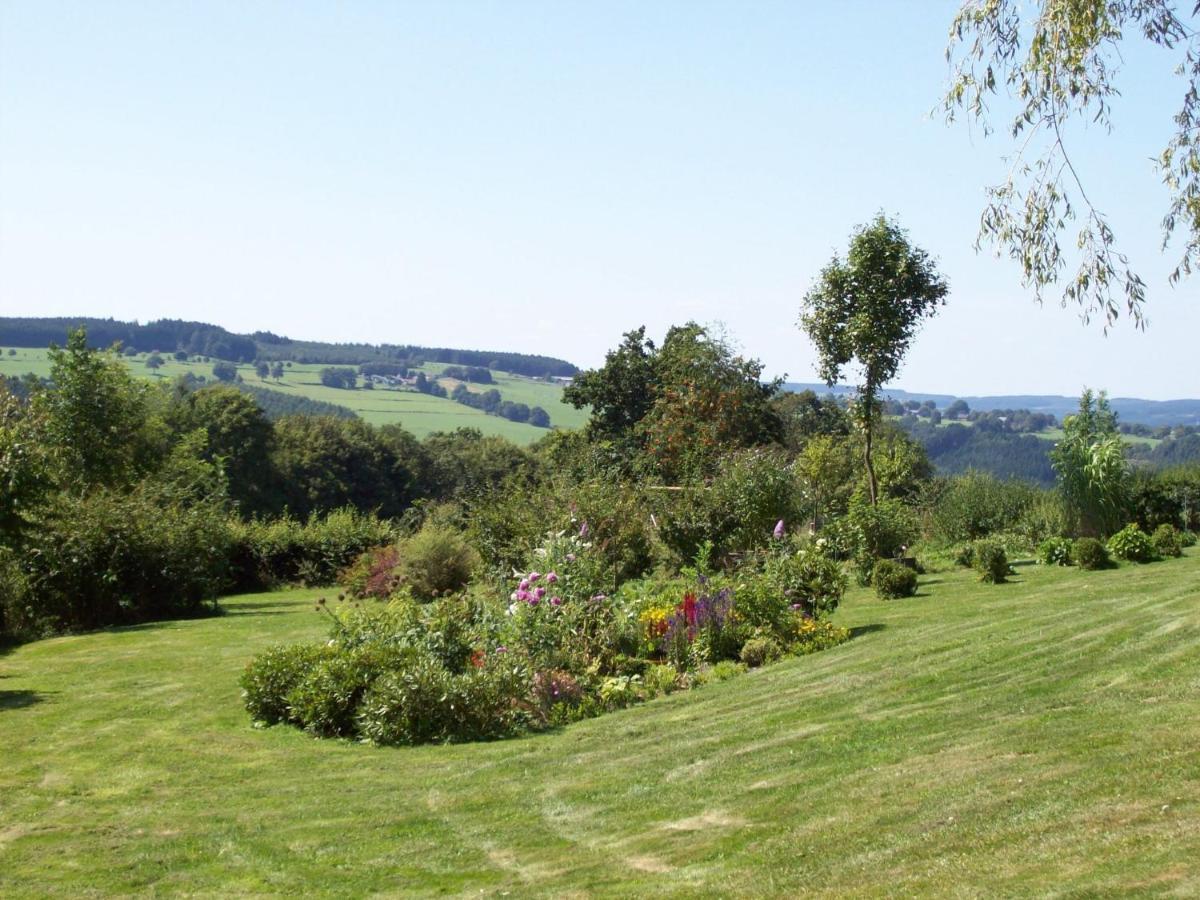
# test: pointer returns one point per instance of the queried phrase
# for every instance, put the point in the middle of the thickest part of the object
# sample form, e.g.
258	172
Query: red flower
689	608
477	659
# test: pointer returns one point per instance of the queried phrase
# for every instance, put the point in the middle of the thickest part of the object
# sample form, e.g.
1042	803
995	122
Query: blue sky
540	177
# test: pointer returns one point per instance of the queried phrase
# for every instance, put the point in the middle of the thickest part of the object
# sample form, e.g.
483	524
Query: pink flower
583	530
552	577
534	576
534	600
778	532
556	601
523	595
524	584
540	592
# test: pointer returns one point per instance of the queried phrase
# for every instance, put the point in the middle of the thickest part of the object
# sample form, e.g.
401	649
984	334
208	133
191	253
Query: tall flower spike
778	532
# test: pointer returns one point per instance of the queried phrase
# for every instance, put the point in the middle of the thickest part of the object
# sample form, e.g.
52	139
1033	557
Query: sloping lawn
1040	737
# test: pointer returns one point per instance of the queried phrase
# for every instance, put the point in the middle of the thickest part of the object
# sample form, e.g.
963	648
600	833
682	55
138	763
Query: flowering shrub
813	635
1055	551
375	574
557	650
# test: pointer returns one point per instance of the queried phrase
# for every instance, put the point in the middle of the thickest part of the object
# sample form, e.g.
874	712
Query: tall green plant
1093	474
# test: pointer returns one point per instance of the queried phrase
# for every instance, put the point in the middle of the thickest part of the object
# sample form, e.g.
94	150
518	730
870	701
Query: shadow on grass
858	631
256	609
18	699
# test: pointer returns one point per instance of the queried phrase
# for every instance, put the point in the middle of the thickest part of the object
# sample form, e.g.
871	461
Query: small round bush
964	556
760	650
272	675
1090	554
1187	538
893	580
1055	551
1132	544
1166	541
991	561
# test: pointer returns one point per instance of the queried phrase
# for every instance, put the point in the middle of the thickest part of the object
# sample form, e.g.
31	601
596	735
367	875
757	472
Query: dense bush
977	504
883	531
760	650
1090	554
286	551
893	580
991	561
1055	551
1166	541
735	513
270	677
1132	544
112	558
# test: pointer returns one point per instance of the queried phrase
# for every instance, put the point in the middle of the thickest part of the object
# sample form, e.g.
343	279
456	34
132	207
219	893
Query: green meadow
1039	737
419	413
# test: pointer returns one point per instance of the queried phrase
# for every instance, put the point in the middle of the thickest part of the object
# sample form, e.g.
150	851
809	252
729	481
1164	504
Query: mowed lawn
420	414
1040	737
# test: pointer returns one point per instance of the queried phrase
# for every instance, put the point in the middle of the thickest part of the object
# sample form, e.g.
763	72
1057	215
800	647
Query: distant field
418	413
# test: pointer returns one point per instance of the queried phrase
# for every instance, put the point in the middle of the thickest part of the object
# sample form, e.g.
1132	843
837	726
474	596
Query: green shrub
272	675
435	561
1055	551
1167	541
286	551
660	679
893	580
116	558
1187	538
760	650
1090	554
964	555
977	504
991	561
883	531
1132	544
325	700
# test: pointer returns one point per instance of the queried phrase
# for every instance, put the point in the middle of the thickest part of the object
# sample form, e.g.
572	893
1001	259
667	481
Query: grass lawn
1040	737
418	413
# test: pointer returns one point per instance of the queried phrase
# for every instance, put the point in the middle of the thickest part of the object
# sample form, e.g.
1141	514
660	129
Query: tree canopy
1059	61
866	309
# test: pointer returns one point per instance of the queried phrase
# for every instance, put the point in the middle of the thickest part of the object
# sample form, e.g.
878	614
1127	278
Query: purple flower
534	576
778	532
552	577
583	530
534	600
599	598
797	607
522	595
556	601
540	592
502	649
524	584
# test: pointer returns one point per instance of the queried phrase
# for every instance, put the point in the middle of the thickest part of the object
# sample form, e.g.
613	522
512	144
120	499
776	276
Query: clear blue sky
538	177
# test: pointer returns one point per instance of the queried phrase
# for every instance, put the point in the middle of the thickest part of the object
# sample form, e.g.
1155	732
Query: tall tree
867	309
1058	59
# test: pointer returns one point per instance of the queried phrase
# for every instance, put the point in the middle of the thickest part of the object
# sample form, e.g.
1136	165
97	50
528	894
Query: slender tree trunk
872	485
